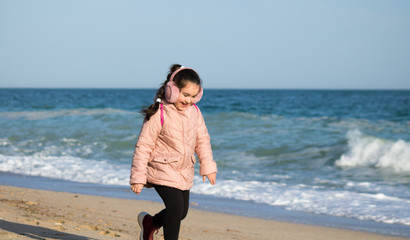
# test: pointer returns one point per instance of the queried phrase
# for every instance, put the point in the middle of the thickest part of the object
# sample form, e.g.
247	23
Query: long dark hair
180	80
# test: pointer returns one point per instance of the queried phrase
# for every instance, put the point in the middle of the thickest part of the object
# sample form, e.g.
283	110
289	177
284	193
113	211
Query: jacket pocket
166	160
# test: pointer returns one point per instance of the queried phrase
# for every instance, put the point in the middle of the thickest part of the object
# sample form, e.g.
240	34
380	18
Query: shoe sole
140	222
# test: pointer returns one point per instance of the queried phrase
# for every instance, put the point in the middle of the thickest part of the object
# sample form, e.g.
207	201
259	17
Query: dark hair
180	80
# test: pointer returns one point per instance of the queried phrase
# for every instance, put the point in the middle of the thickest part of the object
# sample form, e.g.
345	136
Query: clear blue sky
345	44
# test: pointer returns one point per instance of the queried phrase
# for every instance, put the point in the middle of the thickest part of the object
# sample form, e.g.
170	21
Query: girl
173	131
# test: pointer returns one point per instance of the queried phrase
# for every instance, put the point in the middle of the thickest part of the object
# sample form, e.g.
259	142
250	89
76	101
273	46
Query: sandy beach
37	214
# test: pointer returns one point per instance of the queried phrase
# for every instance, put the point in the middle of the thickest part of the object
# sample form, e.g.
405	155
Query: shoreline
42	214
209	204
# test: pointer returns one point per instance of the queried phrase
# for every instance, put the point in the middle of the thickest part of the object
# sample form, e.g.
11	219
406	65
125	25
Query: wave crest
38	115
375	152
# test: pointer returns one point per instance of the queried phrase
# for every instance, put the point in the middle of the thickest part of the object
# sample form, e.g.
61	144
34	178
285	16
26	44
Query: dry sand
38	214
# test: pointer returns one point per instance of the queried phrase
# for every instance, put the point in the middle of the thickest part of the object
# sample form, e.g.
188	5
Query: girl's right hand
137	187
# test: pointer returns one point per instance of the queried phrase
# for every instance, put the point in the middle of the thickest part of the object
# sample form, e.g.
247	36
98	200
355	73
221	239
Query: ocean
336	153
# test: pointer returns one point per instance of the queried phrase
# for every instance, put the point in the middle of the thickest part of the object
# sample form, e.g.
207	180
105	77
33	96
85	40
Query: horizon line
210	88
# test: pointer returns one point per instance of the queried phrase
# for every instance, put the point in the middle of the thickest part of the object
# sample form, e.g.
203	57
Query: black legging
176	208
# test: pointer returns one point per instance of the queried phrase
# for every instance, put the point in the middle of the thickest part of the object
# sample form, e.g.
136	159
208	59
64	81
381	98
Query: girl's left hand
211	177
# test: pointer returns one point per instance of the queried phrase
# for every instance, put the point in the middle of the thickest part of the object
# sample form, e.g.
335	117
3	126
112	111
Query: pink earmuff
172	90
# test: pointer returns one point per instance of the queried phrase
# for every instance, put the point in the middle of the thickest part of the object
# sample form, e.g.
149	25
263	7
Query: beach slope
37	214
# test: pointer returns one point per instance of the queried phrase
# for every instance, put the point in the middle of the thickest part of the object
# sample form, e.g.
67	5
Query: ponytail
153	108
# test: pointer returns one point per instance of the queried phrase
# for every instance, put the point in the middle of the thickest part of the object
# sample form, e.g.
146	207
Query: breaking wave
375	152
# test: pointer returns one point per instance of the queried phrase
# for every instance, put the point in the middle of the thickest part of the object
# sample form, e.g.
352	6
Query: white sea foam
375	207
4	142
367	206
67	168
39	115
375	152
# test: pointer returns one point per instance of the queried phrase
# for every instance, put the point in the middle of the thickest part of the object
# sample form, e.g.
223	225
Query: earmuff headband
171	79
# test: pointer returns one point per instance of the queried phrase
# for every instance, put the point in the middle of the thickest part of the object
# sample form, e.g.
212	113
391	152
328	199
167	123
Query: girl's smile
187	95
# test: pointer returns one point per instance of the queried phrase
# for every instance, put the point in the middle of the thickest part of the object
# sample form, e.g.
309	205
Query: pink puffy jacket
164	154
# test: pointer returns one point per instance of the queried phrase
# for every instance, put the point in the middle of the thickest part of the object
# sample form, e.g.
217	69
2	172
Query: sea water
327	152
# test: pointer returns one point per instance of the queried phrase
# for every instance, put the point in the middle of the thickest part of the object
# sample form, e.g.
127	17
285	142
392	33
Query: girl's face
187	96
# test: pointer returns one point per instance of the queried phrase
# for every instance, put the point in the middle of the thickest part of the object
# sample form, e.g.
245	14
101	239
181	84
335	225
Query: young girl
173	131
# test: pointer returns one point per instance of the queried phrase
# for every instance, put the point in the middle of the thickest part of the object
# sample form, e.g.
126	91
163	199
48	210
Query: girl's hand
137	187
211	177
